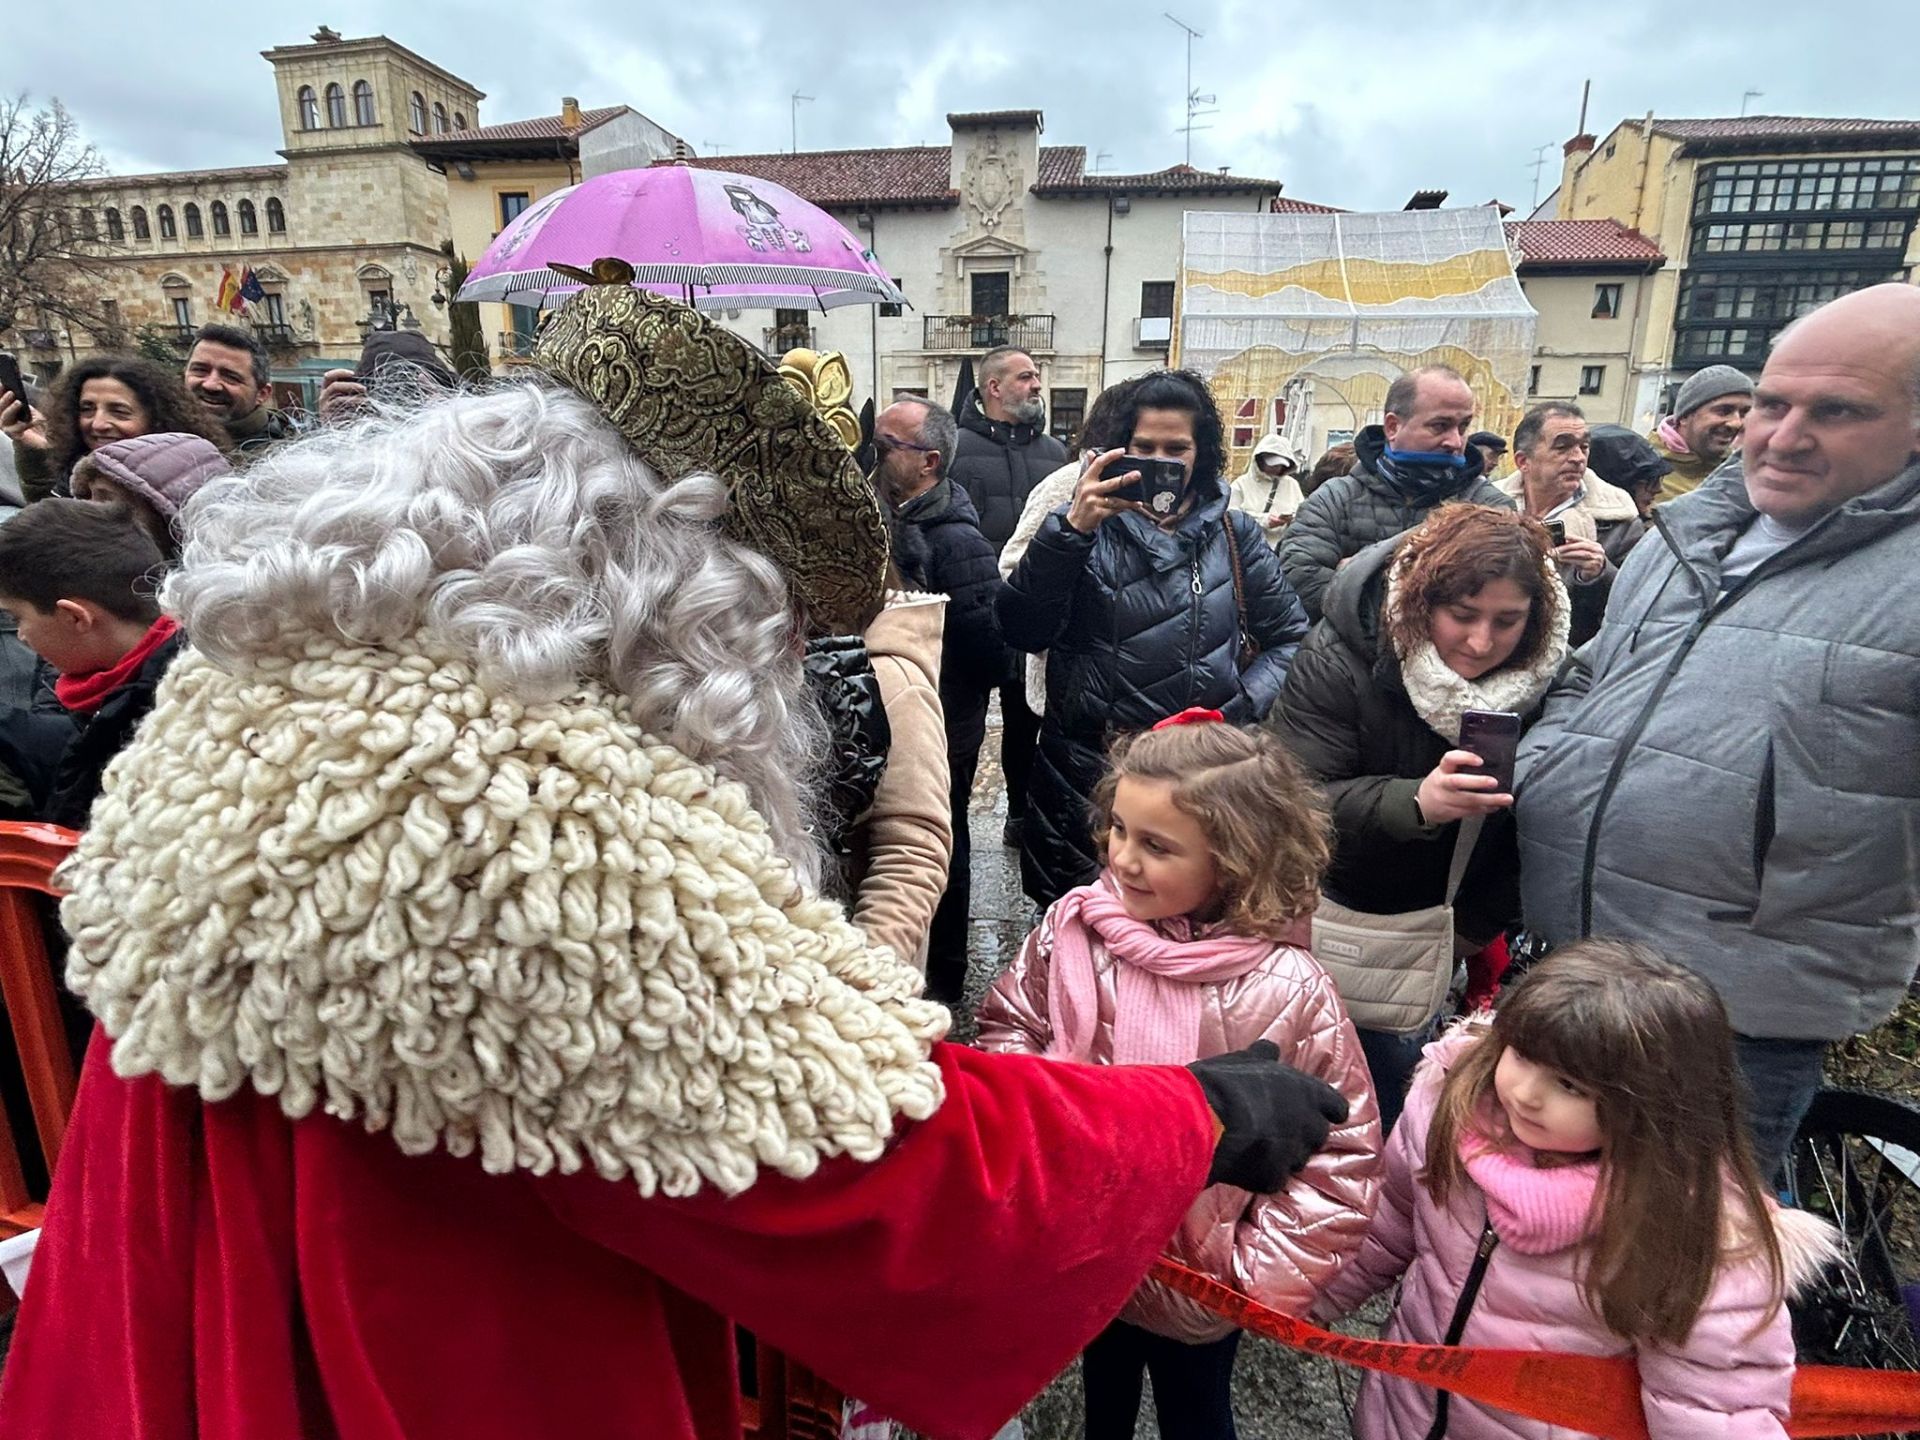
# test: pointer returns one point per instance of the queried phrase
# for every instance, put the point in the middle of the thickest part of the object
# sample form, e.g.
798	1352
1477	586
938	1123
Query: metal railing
984	332
515	346
272	334
179	336
38	339
782	338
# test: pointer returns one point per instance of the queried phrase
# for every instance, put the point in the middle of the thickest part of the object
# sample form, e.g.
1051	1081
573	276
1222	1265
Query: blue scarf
1422	472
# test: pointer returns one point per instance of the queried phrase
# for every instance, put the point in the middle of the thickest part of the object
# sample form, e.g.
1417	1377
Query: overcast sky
1349	102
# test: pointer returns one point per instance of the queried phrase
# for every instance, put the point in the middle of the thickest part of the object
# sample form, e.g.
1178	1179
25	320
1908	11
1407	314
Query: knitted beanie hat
1708	385
165	470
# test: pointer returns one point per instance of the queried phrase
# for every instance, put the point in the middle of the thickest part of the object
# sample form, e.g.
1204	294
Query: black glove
1274	1116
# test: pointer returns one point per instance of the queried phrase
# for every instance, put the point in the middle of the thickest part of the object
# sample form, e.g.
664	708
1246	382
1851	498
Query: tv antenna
798	101
1196	102
1100	157
1749	95
714	147
1539	164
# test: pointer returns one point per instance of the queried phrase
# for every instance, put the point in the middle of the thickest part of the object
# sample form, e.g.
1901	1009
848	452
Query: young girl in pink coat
1192	944
1574	1176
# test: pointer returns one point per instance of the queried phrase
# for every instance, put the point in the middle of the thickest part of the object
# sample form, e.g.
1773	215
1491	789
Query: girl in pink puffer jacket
1575	1176
1192	944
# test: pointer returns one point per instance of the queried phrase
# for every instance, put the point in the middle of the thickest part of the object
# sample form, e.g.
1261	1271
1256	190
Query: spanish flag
227	297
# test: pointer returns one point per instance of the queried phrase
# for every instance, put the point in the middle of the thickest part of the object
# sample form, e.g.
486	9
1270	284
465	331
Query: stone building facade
1591	284
353	218
997	239
1762	218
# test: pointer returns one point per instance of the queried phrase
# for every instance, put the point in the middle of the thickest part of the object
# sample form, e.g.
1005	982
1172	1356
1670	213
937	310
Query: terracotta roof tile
1174	179
1282	205
544	127
1576	242
1783	127
911	175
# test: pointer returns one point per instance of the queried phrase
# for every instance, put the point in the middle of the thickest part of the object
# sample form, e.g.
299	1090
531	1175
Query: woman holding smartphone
97	402
1145	606
1463	613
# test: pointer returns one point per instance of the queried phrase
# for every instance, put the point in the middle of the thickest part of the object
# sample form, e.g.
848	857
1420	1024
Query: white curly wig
516	524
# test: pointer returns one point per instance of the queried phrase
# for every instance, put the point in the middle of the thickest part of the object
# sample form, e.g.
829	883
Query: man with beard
1004	452
227	372
1597	522
1696	439
1413	463
938	546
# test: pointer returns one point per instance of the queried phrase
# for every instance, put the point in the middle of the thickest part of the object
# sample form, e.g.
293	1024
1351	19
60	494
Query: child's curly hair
1268	828
1453	554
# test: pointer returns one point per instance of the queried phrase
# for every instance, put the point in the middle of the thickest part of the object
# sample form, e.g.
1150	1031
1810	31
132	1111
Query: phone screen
1493	735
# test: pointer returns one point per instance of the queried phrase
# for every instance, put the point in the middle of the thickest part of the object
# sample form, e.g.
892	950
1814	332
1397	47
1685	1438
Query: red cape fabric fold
217	1272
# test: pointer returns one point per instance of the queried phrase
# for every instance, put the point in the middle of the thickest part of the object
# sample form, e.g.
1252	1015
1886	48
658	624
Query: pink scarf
1534	1210
1671	437
1157	1011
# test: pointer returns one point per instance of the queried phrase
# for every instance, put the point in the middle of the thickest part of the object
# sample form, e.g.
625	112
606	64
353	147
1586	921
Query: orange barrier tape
1590	1394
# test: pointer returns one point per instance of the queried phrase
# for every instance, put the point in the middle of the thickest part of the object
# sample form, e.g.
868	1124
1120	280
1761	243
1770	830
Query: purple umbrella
713	238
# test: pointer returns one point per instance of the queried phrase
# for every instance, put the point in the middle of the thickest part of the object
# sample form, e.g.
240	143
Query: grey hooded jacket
1735	779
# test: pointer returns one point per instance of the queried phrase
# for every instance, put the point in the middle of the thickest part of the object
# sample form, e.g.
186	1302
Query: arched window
89	226
417	113
459	121
165	216
218	214
276	218
115	230
309	109
439	118
140	231
194	232
336	107
249	219
362	103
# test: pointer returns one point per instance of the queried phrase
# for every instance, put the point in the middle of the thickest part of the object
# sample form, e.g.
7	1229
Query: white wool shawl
1440	695
361	880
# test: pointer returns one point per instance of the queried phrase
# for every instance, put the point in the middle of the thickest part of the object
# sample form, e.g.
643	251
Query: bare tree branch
51	268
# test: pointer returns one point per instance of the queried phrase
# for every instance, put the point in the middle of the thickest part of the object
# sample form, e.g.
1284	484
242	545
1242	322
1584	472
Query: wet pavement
1278	1395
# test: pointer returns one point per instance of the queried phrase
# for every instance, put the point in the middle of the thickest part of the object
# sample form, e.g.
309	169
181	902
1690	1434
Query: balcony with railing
984	332
39	339
178	336
782	338
275	336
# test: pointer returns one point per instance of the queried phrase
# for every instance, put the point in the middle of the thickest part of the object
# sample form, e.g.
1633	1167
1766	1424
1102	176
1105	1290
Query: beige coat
1048	496
1282	1249
1269	499
1599	502
904	843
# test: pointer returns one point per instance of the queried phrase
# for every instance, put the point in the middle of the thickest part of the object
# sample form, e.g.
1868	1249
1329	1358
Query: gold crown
692	397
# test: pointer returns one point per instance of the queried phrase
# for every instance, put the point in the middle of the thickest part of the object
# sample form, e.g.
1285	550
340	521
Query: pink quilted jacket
1729	1381
1283	1248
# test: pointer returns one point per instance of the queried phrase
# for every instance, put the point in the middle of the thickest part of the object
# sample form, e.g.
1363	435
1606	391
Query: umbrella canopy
714	238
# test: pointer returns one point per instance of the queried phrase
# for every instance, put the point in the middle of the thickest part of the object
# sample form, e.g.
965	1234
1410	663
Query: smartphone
10	377
1493	735
1557	532
1158	485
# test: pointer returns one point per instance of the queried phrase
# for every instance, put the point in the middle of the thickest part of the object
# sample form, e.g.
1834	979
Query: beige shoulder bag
1393	970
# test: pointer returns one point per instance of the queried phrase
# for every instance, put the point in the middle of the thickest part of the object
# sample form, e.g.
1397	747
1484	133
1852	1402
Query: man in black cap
1492	450
1622	458
390	358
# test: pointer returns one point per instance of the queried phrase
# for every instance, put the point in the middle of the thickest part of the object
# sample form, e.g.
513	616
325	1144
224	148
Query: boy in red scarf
78	578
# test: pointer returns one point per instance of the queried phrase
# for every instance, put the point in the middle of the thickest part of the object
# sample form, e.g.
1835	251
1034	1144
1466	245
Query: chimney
569	112
1574	159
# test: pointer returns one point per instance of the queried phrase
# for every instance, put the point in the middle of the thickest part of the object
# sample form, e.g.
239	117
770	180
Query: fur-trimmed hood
364	881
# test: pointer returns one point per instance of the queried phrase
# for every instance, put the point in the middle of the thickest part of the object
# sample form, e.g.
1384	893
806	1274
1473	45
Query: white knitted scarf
362	881
1440	695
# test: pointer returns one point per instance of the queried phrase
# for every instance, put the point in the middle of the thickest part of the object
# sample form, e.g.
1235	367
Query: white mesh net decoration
1346	303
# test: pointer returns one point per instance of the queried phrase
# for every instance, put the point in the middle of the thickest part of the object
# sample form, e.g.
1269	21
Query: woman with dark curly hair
1141	614
100	400
1463	612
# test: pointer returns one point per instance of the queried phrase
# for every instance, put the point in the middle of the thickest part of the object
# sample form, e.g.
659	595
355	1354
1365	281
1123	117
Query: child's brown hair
1650	1041
1265	823
62	549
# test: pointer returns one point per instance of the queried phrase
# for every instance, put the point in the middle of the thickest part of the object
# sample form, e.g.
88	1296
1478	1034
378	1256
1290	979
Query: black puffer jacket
841	679
1345	715
1351	512
998	465
103	735
938	547
1139	623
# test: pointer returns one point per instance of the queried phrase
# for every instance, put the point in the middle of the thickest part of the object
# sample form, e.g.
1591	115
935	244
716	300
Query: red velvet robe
221	1272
